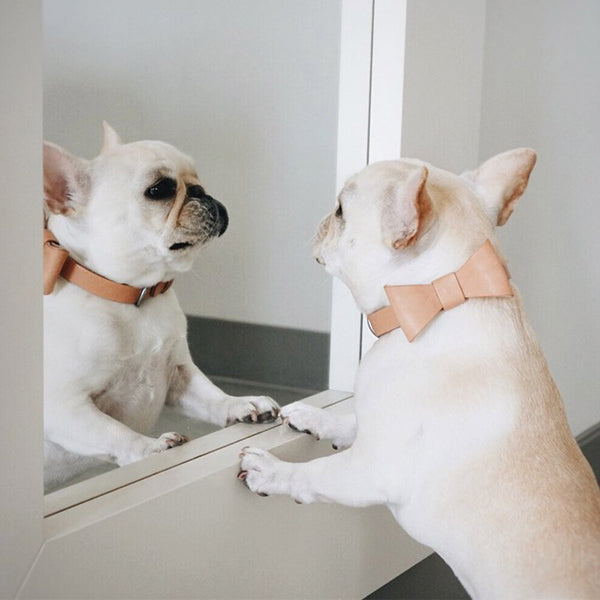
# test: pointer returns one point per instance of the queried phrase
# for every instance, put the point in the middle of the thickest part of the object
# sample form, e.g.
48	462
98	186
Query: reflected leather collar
58	263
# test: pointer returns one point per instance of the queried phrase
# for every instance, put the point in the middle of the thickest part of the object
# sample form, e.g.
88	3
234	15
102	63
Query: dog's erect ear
111	138
405	208
501	181
66	180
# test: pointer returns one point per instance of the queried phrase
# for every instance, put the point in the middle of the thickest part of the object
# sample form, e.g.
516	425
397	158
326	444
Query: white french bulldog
461	432
136	215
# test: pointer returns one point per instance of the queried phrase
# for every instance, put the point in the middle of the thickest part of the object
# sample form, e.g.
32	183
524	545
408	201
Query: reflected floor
170	420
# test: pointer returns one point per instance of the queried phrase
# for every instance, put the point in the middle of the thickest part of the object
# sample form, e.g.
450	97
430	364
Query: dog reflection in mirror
458	427
119	228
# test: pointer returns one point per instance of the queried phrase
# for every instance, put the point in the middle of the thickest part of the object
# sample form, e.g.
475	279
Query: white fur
461	433
109	368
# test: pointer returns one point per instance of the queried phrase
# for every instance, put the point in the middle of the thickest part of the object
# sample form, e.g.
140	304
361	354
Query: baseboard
260	353
589	435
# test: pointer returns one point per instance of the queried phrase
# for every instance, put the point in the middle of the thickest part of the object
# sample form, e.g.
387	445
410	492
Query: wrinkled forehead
150	160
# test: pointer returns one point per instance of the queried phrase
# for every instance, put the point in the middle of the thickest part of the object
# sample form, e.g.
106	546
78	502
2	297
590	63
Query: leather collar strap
58	263
412	307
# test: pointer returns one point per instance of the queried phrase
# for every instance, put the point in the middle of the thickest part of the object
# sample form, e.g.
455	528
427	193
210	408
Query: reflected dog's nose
219	213
223	218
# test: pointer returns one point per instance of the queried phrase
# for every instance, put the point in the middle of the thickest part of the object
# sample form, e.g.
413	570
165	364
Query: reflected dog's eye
162	190
339	213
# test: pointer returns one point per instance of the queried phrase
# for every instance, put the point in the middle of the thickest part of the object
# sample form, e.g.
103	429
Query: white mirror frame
186	527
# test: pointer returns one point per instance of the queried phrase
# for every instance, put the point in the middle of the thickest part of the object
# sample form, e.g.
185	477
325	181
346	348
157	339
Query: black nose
218	211
223	218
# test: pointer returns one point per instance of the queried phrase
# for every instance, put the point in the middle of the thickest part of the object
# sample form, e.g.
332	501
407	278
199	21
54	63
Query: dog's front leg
193	394
344	478
340	429
79	426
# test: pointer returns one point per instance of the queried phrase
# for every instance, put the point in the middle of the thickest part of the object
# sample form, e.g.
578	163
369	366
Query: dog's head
405	221
137	213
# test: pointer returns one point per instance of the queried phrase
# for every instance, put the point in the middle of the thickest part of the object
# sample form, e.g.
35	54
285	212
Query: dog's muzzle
199	219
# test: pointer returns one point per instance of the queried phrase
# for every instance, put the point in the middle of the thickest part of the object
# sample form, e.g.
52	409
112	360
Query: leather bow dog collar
58	263
412	307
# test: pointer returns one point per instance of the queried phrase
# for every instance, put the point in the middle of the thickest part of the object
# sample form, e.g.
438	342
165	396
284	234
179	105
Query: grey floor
432	579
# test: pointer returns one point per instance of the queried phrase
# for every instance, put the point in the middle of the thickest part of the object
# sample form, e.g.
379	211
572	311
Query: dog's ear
405	208
111	138
501	181
66	180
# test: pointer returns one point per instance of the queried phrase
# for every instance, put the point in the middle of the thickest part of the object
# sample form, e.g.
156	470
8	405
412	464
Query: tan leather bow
412	307
58	263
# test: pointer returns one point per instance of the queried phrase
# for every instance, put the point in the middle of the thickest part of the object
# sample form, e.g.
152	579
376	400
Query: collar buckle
143	295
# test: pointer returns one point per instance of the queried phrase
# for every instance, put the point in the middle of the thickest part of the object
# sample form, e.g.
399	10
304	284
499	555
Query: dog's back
489	474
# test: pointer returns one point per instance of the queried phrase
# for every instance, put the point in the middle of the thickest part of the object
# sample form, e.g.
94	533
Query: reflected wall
250	91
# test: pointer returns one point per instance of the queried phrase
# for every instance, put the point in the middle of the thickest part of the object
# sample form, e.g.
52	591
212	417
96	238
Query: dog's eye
161	190
339	213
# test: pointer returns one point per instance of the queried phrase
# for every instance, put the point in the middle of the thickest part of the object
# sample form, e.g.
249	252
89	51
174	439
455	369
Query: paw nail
262	494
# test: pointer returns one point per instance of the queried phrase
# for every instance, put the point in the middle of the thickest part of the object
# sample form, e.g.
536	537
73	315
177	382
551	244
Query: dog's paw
144	446
166	441
251	409
264	473
318	423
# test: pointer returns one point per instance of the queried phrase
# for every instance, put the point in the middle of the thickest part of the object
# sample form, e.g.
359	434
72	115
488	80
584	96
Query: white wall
541	88
249	89
442	82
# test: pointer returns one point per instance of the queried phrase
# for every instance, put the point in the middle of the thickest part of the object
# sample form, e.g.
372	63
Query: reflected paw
168	440
252	409
143	446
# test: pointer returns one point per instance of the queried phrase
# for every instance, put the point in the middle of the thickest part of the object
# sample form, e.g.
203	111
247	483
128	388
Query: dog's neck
433	256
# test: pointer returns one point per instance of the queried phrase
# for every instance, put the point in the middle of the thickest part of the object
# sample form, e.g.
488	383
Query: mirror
249	90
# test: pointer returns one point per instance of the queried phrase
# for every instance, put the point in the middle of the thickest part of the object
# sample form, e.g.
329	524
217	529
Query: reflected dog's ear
406	206
66	180
501	181
111	138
